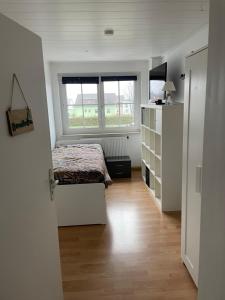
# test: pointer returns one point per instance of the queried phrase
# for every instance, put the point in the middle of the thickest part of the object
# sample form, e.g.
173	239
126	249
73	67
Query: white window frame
101	117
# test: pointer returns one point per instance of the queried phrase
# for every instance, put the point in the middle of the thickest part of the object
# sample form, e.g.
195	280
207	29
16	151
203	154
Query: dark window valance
74	80
118	78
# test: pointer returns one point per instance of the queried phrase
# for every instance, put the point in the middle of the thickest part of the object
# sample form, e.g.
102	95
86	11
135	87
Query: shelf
152	191
160	124
152	118
154	131
147	147
152	171
158	178
152	151
145	127
158	202
156	155
158	199
158	190
147	165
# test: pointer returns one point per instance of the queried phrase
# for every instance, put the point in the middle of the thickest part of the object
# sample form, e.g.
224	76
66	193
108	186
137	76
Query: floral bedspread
80	163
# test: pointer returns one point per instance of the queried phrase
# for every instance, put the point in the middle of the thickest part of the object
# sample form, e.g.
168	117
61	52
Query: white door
195	95
29	249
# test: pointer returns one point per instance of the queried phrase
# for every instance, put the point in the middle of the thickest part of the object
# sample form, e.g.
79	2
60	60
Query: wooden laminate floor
136	256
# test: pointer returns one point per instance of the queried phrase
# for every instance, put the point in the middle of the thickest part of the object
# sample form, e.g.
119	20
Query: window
103	103
81	102
119	103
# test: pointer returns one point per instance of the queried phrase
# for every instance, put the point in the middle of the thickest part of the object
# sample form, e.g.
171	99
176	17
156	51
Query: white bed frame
80	204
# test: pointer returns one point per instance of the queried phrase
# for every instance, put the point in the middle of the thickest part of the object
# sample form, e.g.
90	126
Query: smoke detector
109	32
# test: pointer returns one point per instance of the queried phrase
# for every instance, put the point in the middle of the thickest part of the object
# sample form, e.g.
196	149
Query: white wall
139	67
176	59
156	61
50	105
212	247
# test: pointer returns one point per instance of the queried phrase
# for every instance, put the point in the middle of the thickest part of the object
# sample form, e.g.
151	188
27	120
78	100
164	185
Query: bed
82	176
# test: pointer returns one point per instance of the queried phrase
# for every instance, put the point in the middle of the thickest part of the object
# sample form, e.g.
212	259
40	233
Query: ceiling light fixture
109	32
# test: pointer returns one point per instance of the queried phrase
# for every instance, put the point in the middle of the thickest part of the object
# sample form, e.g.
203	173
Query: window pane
126	115
90	92
111	92
119	109
126	91
82	106
73	93
75	116
91	116
112	117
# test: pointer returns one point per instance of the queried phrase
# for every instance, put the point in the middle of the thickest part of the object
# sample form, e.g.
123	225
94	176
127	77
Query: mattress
80	163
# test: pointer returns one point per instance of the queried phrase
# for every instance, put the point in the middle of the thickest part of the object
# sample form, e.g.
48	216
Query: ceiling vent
109	32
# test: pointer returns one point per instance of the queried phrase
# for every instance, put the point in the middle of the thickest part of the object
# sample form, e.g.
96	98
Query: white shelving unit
161	132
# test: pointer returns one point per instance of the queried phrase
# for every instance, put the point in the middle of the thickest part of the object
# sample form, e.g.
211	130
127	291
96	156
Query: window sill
69	137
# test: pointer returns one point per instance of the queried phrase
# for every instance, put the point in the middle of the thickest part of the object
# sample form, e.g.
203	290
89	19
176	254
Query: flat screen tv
157	78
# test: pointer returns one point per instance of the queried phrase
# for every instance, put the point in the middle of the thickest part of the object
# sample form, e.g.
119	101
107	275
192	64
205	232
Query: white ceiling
74	29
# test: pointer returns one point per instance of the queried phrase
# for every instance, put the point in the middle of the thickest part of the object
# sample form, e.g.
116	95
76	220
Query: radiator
116	146
112	146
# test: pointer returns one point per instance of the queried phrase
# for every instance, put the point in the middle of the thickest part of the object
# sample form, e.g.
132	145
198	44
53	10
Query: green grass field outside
112	119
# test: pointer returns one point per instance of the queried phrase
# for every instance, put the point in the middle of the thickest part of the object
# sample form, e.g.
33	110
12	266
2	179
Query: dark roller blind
118	78
74	80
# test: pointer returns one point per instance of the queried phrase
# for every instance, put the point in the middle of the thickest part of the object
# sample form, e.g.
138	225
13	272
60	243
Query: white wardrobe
194	112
